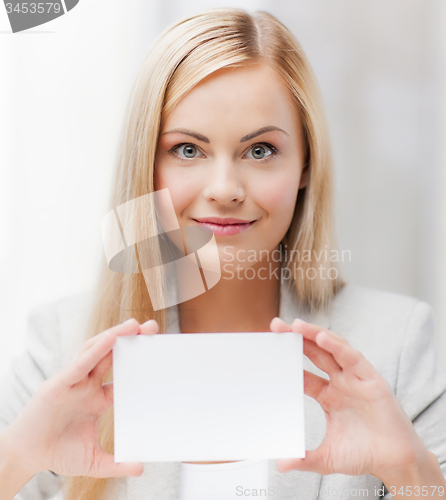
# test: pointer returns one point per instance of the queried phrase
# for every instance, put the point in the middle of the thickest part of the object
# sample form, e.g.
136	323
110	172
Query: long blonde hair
183	55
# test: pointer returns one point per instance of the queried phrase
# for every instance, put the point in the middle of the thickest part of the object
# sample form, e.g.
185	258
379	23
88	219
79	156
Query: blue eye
187	151
261	151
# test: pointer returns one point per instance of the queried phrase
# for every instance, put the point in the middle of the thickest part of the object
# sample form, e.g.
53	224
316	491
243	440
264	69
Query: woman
225	114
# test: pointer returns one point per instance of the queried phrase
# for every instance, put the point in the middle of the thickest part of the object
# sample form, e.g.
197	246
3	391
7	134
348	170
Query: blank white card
208	397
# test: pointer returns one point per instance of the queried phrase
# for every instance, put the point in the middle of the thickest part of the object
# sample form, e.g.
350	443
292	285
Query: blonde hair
183	55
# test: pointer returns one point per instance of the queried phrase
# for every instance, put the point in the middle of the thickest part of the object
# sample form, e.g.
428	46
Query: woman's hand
58	428
367	431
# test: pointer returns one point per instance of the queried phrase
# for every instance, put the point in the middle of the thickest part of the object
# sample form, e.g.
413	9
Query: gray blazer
394	332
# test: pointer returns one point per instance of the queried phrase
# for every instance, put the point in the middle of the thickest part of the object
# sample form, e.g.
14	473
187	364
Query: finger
150	327
309	330
121	329
321	358
85	363
312	462
278	325
102	367
314	385
106	467
108	392
347	357
318	356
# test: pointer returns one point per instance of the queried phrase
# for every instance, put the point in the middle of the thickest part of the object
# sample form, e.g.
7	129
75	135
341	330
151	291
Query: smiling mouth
225	227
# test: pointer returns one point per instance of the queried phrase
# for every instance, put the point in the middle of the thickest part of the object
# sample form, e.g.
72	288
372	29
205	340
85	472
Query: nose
224	184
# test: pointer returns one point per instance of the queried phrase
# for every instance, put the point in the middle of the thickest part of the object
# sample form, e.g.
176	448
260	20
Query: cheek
279	198
182	189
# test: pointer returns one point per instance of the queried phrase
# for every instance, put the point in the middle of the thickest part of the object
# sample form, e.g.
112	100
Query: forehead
237	98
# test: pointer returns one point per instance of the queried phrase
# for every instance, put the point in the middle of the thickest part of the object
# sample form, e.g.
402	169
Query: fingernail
298	320
278	319
320	335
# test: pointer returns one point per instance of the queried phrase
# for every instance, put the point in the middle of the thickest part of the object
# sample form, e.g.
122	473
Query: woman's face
231	154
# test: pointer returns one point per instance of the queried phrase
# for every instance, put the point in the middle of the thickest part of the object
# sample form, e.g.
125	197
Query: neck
234	305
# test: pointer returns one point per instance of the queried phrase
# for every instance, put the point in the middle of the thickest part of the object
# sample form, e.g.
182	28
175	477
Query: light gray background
62	95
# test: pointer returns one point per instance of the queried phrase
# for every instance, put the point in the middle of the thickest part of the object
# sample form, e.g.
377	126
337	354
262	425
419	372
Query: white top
225	481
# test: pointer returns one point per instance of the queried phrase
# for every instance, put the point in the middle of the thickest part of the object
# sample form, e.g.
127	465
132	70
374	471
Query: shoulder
362	302
59	326
65	306
386	327
360	311
370	310
396	333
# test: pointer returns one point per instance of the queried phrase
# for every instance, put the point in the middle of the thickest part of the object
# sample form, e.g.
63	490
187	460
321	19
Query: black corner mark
69	4
24	15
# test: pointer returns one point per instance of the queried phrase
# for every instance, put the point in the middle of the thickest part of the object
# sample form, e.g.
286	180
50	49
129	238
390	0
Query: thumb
107	467
311	463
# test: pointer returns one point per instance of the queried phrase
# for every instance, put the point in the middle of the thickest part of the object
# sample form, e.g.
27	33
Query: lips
225	226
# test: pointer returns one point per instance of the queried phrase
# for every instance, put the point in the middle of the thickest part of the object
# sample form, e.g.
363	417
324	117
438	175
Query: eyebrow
248	137
261	131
